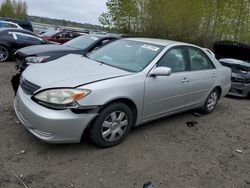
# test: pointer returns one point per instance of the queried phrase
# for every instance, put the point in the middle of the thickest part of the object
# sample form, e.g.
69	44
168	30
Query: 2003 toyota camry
124	84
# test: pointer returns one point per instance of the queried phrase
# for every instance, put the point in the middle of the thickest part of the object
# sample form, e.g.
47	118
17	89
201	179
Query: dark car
25	24
236	56
12	40
44	53
60	36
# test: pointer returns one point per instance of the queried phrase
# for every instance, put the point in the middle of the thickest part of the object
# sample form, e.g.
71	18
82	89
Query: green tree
7	8
14	9
201	22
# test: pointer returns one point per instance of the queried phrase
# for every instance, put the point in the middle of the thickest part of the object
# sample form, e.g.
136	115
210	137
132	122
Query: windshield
50	33
127	55
81	42
235	61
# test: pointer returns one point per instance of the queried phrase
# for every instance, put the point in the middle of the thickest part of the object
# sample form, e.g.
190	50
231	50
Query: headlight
60	98
34	59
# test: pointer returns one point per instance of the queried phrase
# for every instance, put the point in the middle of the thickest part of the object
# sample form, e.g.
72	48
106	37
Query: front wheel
211	102
4	53
112	125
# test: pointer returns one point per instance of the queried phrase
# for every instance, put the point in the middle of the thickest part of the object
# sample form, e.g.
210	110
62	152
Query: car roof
103	36
161	42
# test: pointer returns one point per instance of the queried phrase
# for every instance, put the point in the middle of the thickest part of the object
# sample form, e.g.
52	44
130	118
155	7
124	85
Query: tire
211	102
4	53
112	125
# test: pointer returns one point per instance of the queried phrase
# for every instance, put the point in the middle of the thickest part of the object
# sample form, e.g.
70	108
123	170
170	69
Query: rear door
202	76
167	94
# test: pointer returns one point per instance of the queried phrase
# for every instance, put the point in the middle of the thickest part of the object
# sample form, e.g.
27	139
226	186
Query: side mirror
161	71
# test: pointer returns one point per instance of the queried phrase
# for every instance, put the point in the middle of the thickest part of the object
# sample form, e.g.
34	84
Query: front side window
174	59
199	60
128	55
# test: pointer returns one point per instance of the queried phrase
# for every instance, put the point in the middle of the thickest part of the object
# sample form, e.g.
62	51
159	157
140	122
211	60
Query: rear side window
174	59
199	60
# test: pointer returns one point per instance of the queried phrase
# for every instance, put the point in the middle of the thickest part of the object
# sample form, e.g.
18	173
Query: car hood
46	48
70	71
234	50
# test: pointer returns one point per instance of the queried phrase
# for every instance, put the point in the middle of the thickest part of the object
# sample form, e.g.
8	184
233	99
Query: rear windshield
82	42
50	33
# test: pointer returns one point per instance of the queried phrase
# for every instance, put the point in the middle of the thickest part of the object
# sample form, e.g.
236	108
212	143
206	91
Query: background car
60	36
123	84
5	24
44	53
25	24
237	57
13	39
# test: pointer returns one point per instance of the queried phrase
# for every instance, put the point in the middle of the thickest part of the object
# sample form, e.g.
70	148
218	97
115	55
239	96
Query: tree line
61	22
200	22
14	9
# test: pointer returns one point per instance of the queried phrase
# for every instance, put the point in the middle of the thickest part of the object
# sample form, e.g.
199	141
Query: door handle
185	80
213	75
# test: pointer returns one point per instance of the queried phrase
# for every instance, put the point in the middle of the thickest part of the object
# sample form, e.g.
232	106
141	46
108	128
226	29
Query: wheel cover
212	101
114	126
4	54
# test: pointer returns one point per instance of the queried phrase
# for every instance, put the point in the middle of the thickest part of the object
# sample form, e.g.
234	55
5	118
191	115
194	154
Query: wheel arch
130	103
219	90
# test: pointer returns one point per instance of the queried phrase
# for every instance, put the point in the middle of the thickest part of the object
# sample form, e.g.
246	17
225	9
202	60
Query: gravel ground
166	152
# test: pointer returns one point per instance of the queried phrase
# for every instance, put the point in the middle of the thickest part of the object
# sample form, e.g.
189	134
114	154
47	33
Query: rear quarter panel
224	79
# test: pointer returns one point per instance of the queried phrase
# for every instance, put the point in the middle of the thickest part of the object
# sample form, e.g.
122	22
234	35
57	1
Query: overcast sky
85	11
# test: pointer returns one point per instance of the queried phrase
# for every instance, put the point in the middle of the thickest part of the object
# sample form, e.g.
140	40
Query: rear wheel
4	53
112	125
211	102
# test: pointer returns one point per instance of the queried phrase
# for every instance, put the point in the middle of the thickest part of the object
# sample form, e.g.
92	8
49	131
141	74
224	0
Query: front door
167	94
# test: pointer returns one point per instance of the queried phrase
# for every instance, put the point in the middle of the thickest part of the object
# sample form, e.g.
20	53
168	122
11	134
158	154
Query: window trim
206	56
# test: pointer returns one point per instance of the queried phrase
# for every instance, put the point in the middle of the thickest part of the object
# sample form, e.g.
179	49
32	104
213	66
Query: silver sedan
124	84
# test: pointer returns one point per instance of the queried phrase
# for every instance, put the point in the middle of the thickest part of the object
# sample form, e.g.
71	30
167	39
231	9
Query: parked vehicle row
44	53
121	85
12	40
60	36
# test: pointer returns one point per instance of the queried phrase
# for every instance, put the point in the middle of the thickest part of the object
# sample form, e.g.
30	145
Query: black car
44	53
236	56
12	40
25	24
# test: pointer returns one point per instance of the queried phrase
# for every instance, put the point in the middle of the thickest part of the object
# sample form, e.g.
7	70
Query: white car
5	24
